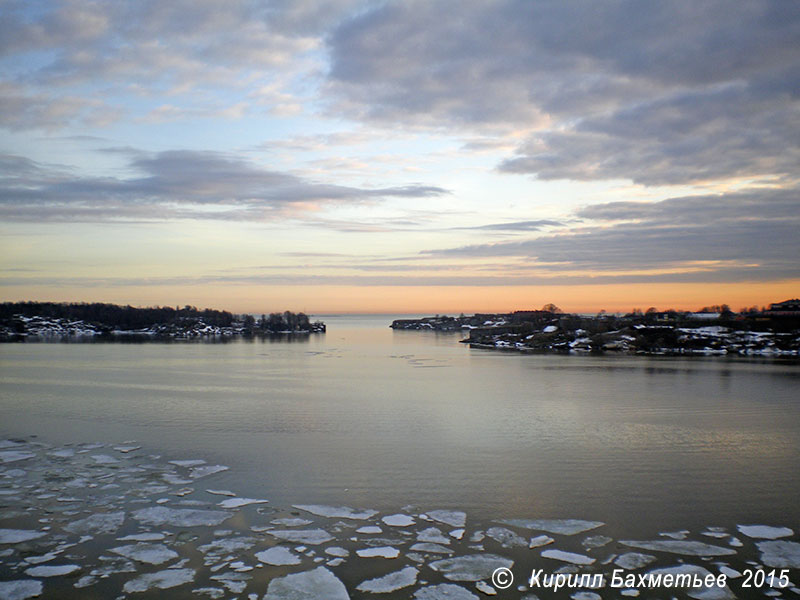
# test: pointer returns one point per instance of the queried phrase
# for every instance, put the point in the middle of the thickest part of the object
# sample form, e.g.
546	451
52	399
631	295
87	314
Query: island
716	330
60	321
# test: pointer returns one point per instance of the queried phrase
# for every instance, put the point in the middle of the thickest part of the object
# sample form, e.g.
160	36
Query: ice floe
52	570
390	583
444	591
568	557
472	567
765	532
506	537
337	512
687	548
278	556
180	517
369	529
699	593
309	585
559	526
302	536
434	535
15	536
162	580
291	522
20	589
379	552
634	560
239	502
97	524
152	554
205	471
398	520
454	518
10	456
780	554
540	540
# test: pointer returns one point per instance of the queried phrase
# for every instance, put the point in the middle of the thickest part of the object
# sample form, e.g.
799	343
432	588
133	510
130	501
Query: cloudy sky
350	156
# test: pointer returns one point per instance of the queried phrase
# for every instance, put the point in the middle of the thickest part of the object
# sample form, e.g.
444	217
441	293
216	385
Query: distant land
714	330
56	321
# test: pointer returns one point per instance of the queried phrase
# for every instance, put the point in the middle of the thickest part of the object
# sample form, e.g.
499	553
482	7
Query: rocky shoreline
686	334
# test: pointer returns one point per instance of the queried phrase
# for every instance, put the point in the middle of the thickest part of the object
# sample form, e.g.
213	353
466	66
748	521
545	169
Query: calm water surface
370	417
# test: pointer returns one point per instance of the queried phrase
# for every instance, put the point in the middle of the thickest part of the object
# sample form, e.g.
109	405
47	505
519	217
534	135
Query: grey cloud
173	185
732	237
670	92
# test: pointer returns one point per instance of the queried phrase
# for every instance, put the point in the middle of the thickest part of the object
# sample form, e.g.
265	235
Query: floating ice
560	526
434	535
302	536
506	537
780	554
391	582
454	518
20	589
235	582
337	512
586	596
162	580
309	585
153	554
278	556
634	560
457	533
126	449
97	524
485	588
398	520
370	529
473	567
596	541
228	545
337	551
444	591
9	456
291	522
569	557
239	502
199	472
540	540
104	459
52	570
379	552
187	463
15	536
765	532
180	517
699	593
431	548
221	492
43	558
142	537
680	547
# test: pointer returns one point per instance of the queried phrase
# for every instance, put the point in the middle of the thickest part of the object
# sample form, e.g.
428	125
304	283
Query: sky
400	157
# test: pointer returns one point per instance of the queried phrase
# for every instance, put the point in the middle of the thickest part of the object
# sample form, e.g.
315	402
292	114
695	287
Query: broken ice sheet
434	535
278	556
369	529
390	583
540	540
634	560
780	554
97	524
454	518
205	471
379	552
153	554
687	548
52	570
699	593
319	583
15	536
473	567
559	526
302	536
765	532
20	589
239	502
398	520
291	522
180	517
337	512
569	557
506	537
444	591
9	456
169	578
